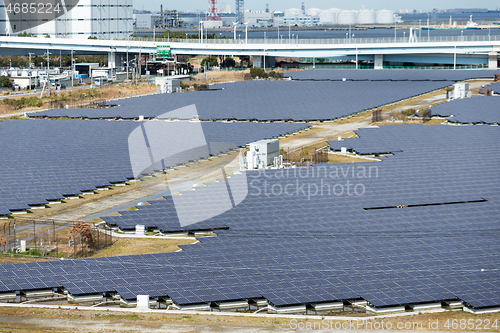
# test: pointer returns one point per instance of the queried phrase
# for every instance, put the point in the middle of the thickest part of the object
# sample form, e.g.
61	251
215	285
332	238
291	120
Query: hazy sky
260	5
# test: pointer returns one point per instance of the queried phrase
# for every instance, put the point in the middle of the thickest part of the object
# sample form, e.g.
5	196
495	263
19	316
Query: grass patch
125	247
132	316
94	321
333	158
32	252
435	121
73	97
13	259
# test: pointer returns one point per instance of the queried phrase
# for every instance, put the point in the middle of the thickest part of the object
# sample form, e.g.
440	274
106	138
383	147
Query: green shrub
409	112
23	102
229	63
200	87
258	72
25	34
209	62
5	81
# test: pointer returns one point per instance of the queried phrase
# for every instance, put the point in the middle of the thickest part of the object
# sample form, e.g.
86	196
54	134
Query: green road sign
163	50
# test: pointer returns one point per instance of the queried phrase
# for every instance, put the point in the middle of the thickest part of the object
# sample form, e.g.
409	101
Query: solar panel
264	100
297	247
391	74
495	87
477	109
52	159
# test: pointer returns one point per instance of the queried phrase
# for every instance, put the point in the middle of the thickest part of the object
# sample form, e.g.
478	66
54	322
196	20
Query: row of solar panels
495	87
286	274
291	249
262	100
479	109
383	224
391	74
56	159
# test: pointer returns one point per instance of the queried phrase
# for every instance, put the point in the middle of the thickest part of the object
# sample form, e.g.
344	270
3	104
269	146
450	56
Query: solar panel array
391	74
263	100
479	109
495	87
297	238
51	159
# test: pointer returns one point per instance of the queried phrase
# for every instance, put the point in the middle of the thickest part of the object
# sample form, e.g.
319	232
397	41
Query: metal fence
337	41
51	238
353	66
305	154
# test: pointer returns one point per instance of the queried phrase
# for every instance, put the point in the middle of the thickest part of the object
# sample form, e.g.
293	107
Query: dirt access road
36	319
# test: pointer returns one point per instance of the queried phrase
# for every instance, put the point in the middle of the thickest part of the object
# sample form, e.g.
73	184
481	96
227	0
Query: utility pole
48	69
30	54
127	62
201	32
47	83
278	29
246	32
29	66
428	28
395	30
140	63
72	69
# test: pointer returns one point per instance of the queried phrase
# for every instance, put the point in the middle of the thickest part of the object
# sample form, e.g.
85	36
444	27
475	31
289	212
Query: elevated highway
457	50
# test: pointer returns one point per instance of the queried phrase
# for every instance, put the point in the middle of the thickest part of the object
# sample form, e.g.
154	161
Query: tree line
36	60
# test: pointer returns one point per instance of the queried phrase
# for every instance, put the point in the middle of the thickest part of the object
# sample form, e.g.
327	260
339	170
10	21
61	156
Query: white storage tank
385	16
293	12
367	17
313	11
346	17
329	16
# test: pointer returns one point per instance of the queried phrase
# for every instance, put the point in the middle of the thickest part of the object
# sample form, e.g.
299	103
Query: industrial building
145	20
167	19
89	18
336	16
213	18
258	19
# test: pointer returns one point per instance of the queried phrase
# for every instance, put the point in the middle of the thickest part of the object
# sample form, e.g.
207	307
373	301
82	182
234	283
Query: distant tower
434	16
212	11
238	10
303	7
267	8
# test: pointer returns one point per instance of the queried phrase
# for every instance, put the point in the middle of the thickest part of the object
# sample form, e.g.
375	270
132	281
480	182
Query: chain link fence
52	238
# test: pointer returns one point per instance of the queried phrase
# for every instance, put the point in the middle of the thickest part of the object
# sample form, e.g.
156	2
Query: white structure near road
262	153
